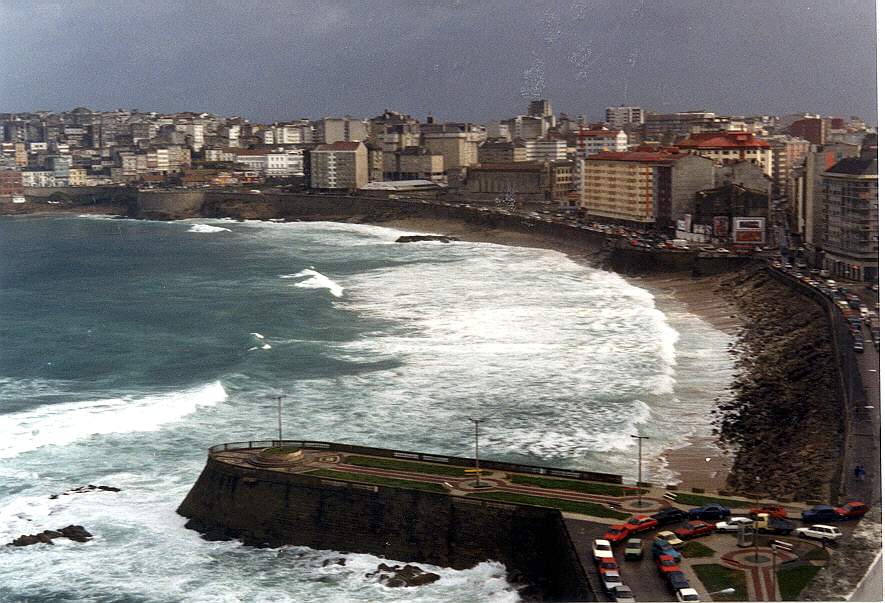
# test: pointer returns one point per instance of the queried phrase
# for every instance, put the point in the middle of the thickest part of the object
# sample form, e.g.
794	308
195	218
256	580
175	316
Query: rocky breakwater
785	418
75	533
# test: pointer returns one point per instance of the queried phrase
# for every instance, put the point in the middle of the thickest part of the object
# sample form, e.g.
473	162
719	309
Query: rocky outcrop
398	576
85	489
784	419
419	238
72	532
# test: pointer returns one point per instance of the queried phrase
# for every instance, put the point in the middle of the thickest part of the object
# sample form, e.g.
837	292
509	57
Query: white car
611	580
671	538
602	549
687	594
623	594
820	532
734	524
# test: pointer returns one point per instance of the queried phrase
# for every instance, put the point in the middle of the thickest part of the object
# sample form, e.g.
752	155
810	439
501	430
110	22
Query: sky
270	60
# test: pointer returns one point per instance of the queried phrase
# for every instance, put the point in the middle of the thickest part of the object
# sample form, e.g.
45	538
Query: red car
667	564
607	564
776	511
634	525
853	509
694	529
617	533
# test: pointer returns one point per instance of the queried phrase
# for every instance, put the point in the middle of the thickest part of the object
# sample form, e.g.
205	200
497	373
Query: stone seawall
271	507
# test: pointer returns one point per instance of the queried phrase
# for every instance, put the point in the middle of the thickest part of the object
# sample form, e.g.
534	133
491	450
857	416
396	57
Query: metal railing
418	456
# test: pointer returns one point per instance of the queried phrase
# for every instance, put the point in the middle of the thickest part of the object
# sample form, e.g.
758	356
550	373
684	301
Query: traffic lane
641	576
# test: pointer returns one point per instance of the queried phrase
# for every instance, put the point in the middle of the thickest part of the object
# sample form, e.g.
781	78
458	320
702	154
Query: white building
591	142
276	162
618	117
35	178
545	150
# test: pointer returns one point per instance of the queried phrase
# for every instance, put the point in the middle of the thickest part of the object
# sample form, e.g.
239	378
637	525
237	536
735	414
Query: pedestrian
861	473
857	471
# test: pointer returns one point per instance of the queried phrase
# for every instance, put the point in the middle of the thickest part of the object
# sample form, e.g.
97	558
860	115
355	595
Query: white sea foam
59	424
258	335
207	228
316	280
266	346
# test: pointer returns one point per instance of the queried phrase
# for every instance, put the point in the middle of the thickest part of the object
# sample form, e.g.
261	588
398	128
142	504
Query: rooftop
722	140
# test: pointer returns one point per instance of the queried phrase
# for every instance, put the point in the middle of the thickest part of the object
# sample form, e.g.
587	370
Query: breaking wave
316	280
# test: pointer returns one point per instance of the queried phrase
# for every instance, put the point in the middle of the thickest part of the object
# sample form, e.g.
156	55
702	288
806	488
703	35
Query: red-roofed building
724	147
813	129
645	188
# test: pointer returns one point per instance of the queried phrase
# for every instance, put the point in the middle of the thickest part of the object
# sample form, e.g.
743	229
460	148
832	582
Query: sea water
130	347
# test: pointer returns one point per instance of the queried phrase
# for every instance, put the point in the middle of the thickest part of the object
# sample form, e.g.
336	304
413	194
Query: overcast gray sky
457	59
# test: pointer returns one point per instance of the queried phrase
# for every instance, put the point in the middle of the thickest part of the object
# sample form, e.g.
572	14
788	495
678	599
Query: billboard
749	230
720	226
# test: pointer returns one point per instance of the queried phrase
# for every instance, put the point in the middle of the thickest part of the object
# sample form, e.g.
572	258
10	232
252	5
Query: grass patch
817	554
793	579
716	577
573	485
281	450
569	506
398	465
376	480
699	500
694	548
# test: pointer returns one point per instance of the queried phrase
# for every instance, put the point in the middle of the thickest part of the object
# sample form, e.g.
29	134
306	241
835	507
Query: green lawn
378	481
699	500
696	549
716	577
569	506
398	465
793	579
576	486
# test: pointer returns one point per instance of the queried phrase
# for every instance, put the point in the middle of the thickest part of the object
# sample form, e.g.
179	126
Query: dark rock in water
338	561
418	238
76	533
402	576
85	489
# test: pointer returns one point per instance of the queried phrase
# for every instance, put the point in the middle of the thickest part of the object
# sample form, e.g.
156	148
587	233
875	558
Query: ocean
130	347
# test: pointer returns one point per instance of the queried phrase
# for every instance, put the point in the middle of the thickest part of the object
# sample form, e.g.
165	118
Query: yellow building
77	177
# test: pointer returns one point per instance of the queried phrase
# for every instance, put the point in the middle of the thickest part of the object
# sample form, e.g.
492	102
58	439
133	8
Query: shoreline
673	292
700	462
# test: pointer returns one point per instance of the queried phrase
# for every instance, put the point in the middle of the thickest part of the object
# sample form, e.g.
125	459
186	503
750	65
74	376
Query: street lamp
724	591
476	423
280	419
639	483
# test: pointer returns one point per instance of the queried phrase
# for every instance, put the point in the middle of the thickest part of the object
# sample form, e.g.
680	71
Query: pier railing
422	457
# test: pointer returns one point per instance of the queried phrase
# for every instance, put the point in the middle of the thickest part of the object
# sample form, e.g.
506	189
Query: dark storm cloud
472	60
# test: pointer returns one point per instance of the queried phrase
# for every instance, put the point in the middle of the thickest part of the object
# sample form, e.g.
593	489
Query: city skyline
299	60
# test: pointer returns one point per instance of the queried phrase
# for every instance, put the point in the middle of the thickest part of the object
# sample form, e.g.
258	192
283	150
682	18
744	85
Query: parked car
641	523
617	533
687	594
661	547
820	532
734	524
709	512
667	564
670	515
607	564
677	581
858	345
633	549
671	538
853	509
602	549
695	528
774	510
611	580
623	594
821	513
767	524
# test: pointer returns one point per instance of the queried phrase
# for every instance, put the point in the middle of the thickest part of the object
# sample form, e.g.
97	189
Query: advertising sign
720	226
749	230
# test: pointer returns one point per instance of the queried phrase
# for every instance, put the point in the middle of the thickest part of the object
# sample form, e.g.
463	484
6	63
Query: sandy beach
702	463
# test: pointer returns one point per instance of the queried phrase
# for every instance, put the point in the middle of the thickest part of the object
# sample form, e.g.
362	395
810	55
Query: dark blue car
677	581
821	514
670	515
709	512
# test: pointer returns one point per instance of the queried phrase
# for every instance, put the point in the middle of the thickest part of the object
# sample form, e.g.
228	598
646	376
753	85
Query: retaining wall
264	506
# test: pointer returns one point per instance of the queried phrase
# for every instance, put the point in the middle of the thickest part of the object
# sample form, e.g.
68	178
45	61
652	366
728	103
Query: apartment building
851	218
339	166
723	146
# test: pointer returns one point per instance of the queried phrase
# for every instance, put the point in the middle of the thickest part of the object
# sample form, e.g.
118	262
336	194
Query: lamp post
755	524
280	419
476	423
639	482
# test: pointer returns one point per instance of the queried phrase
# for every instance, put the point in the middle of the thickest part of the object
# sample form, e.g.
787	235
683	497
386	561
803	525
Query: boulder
402	576
75	533
418	238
